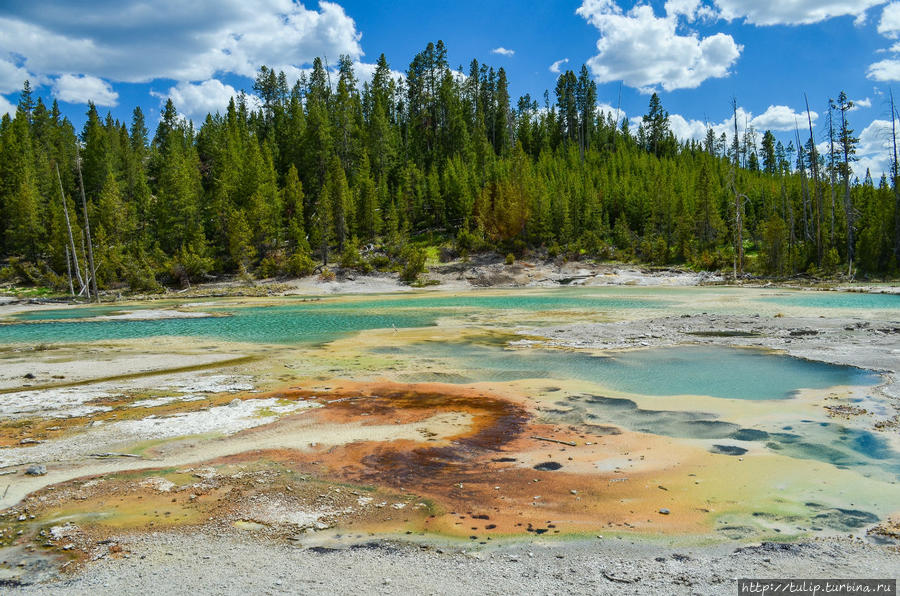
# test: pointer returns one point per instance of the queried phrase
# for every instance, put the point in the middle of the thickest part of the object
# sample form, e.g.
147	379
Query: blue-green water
685	370
298	321
81	312
272	324
828	442
853	300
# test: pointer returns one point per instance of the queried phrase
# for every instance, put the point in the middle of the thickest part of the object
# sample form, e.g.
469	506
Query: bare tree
738	201
848	148
894	175
87	228
71	244
814	163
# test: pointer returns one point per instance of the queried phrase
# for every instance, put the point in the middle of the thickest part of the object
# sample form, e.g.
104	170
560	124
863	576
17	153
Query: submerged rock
728	450
548	466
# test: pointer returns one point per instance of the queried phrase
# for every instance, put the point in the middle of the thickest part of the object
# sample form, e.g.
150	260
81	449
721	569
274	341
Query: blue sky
697	54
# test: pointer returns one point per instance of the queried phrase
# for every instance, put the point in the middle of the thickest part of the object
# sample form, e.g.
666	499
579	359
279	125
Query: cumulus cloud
195	101
775	118
692	10
889	25
793	12
503	51
556	66
875	149
82	89
6	107
884	70
12	77
861	103
781	118
644	50
610	109
136	41
685	129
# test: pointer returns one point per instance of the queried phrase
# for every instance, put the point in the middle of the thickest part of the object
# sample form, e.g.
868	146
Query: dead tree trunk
87	228
895	174
69	272
814	157
738	219
62	197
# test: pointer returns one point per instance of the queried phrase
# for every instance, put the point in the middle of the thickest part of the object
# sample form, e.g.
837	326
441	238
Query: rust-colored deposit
492	478
495	470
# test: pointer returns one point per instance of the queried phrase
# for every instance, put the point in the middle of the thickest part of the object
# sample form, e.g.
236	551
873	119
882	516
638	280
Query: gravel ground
183	564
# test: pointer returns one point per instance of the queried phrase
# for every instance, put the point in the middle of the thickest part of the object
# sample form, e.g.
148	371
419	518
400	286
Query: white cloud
889	25
793	12
195	101
610	109
644	50
136	41
6	107
684	129
781	118
692	10
12	77
365	72
84	88
555	67
861	103
875	149
775	118
884	70
503	51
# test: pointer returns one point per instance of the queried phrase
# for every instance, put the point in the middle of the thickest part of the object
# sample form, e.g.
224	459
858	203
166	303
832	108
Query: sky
696	54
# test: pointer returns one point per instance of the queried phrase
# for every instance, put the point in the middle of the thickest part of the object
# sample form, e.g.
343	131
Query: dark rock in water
803	332
548	466
28	376
36	470
750	434
727	450
504	460
846	520
773	547
603	430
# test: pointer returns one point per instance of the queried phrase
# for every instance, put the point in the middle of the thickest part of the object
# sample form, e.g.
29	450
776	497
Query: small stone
664	511
36	470
573	491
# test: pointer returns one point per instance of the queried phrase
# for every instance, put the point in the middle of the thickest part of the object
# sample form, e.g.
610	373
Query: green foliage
189	264
413	259
350	257
510	258
300	264
435	156
774	251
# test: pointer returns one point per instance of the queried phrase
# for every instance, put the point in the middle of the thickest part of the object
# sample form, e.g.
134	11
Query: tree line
317	171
